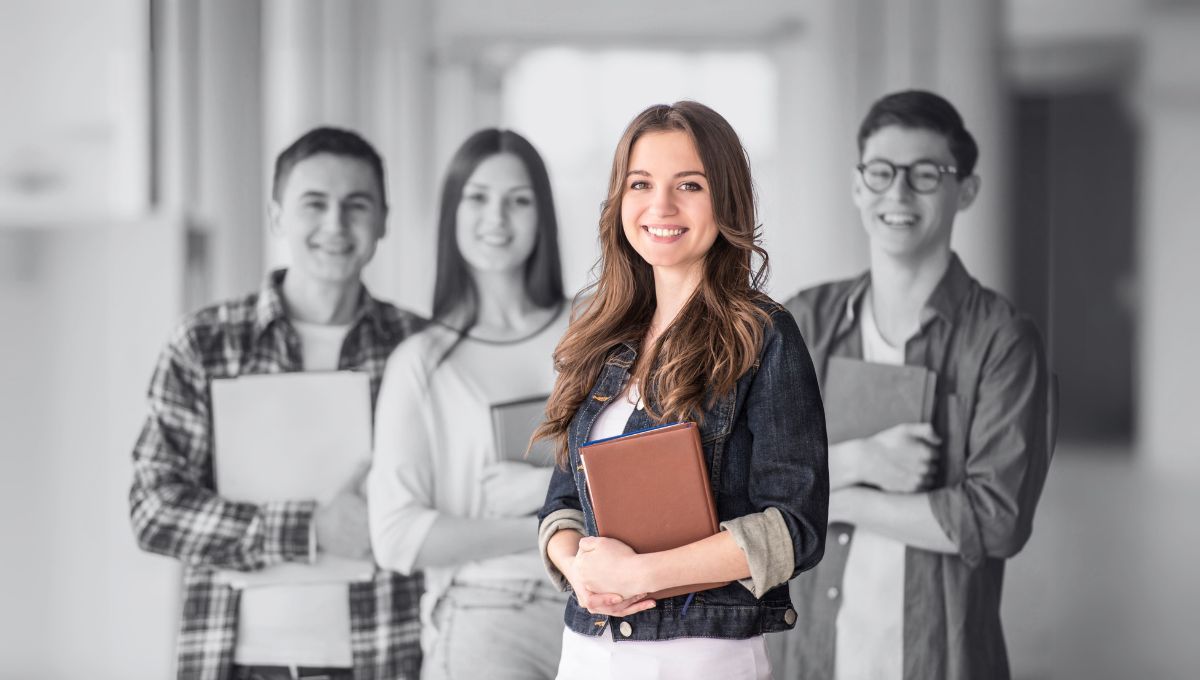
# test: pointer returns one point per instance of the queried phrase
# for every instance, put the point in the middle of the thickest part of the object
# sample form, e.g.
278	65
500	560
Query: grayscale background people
445	498
922	515
329	209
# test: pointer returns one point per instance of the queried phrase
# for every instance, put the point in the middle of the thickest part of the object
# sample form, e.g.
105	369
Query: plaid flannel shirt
176	512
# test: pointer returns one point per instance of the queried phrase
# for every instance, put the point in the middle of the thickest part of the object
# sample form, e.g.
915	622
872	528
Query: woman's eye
475	197
314	206
522	201
638	185
691	186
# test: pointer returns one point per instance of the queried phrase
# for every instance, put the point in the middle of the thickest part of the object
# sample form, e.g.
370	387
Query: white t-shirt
305	625
870	623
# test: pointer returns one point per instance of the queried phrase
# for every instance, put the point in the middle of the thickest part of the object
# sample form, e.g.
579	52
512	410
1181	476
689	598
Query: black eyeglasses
923	177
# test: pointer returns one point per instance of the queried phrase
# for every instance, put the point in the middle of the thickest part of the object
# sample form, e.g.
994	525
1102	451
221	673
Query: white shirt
306	625
870	623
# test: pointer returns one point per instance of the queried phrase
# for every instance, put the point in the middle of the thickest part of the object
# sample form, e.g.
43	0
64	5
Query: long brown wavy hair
716	336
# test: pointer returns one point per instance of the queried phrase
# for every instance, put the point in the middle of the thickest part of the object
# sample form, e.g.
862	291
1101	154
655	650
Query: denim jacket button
843	538
626	629
833	592
789	617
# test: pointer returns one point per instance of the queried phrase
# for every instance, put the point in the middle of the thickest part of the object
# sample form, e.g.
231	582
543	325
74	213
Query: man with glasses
922	515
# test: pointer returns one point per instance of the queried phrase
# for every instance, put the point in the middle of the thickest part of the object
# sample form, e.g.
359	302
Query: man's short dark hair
921	110
329	140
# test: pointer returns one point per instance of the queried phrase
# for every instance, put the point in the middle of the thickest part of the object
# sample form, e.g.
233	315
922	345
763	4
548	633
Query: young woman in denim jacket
678	329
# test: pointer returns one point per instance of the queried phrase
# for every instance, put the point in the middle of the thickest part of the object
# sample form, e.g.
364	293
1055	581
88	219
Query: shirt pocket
954	426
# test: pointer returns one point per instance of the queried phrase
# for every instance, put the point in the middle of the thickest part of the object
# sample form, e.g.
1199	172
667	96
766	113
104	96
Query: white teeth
664	233
495	238
898	219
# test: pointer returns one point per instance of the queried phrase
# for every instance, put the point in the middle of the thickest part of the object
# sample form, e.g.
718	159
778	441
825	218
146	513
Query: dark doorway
1075	212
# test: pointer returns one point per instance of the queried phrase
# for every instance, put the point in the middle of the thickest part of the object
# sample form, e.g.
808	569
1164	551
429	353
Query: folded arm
173	508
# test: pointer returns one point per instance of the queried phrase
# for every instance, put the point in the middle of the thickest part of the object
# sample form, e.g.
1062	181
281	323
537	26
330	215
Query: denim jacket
765	447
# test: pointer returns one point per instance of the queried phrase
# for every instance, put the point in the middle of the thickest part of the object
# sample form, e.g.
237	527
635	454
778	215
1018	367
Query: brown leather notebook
650	490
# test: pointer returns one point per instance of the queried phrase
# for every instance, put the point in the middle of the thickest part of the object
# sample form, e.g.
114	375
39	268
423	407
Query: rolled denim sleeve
790	459
989	513
555	522
562	510
764	538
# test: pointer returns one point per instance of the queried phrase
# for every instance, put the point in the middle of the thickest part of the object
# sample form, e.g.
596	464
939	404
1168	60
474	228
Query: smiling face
899	221
666	208
331	215
497	217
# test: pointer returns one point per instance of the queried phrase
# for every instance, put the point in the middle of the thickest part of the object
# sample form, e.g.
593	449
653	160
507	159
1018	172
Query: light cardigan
433	438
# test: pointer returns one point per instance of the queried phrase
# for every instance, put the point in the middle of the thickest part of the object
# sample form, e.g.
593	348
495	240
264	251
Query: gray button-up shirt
991	412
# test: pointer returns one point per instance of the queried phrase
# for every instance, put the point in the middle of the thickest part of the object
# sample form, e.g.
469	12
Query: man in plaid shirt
328	205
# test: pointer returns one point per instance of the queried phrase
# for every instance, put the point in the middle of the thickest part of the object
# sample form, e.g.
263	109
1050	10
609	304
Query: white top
307	625
433	437
588	658
870	623
320	345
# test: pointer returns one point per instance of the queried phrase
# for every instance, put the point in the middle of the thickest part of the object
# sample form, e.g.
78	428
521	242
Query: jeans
286	673
506	630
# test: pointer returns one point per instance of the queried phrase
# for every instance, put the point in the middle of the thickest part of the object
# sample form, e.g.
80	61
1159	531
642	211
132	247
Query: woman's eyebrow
684	173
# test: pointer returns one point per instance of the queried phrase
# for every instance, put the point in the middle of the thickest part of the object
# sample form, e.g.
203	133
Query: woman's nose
493	210
663	201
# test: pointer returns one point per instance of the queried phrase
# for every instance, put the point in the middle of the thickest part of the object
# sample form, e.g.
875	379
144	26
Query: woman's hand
514	489
596	602
606	565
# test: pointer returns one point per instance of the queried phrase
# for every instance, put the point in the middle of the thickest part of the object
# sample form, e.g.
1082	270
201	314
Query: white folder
292	436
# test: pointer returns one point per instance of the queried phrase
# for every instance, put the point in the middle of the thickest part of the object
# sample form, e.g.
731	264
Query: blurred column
819	237
966	61
399	120
848	54
1169	239
228	183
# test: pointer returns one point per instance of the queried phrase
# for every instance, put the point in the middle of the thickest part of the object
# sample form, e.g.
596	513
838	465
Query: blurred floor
1107	585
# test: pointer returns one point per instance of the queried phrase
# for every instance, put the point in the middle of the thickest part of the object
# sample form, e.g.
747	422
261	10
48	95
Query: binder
862	398
649	489
291	436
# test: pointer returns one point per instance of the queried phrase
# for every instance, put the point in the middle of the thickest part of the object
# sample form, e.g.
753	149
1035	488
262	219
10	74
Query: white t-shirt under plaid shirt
175	510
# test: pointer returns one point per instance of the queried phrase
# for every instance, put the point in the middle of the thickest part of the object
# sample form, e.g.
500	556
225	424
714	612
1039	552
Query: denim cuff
765	539
556	521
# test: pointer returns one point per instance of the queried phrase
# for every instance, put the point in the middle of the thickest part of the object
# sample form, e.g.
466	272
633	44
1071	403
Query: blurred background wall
136	146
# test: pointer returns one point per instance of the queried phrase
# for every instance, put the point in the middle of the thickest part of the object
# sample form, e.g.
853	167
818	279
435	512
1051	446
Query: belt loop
294	671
